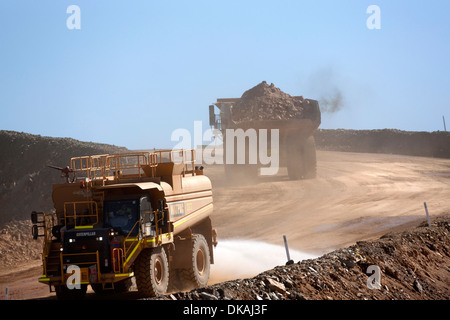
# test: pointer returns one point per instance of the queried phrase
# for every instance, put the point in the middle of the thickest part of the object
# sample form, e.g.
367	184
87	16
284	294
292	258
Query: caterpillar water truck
144	214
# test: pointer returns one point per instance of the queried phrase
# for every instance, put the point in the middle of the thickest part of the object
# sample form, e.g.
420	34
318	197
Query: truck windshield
121	215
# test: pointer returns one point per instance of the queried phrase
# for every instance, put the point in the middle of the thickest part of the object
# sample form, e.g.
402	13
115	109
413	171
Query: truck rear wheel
302	163
197	274
152	272
309	159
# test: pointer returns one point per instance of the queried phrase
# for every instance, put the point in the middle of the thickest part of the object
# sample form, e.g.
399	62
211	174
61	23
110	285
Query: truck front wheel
198	272
152	272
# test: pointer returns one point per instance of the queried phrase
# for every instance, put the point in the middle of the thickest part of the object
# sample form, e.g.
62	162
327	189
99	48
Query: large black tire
197	275
302	162
309	159
177	282
152	272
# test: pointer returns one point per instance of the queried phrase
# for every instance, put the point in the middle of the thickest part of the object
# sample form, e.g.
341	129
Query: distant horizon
170	147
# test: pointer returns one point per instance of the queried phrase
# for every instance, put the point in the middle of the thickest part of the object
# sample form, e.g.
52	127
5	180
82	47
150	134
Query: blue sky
138	70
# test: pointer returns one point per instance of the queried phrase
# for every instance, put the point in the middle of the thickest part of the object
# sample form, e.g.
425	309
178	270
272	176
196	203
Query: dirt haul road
355	197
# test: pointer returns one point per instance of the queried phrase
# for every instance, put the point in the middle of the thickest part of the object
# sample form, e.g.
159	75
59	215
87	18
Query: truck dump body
267	102
121	212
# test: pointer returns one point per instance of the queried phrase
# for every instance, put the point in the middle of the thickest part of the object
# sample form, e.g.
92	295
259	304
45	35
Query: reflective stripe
167	235
124	274
132	253
190	216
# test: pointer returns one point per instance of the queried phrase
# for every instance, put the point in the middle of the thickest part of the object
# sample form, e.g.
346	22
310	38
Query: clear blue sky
138	70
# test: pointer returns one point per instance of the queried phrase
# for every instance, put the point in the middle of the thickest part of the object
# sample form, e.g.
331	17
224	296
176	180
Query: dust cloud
237	259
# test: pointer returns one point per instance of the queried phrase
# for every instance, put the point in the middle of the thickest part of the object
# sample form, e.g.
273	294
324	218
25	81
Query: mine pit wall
426	144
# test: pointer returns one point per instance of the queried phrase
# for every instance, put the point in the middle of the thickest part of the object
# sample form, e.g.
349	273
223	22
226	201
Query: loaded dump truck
265	108
144	215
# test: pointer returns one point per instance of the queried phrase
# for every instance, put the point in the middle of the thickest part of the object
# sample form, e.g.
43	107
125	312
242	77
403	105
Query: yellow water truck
144	215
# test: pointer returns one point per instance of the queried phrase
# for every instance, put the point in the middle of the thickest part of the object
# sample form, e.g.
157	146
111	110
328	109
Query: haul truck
144	214
296	146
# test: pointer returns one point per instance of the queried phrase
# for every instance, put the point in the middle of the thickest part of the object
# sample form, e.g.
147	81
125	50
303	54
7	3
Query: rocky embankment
425	144
412	265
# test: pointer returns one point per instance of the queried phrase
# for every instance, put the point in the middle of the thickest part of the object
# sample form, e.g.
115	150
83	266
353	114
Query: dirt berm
413	264
425	144
25	180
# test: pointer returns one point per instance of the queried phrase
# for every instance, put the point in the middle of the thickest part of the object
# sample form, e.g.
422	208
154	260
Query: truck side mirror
34	217
35	232
212	116
145	205
37	224
162	206
147	216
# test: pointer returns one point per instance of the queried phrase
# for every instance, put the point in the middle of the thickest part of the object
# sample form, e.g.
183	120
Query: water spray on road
237	258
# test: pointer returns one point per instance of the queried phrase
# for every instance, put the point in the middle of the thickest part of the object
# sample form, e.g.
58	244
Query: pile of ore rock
267	102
